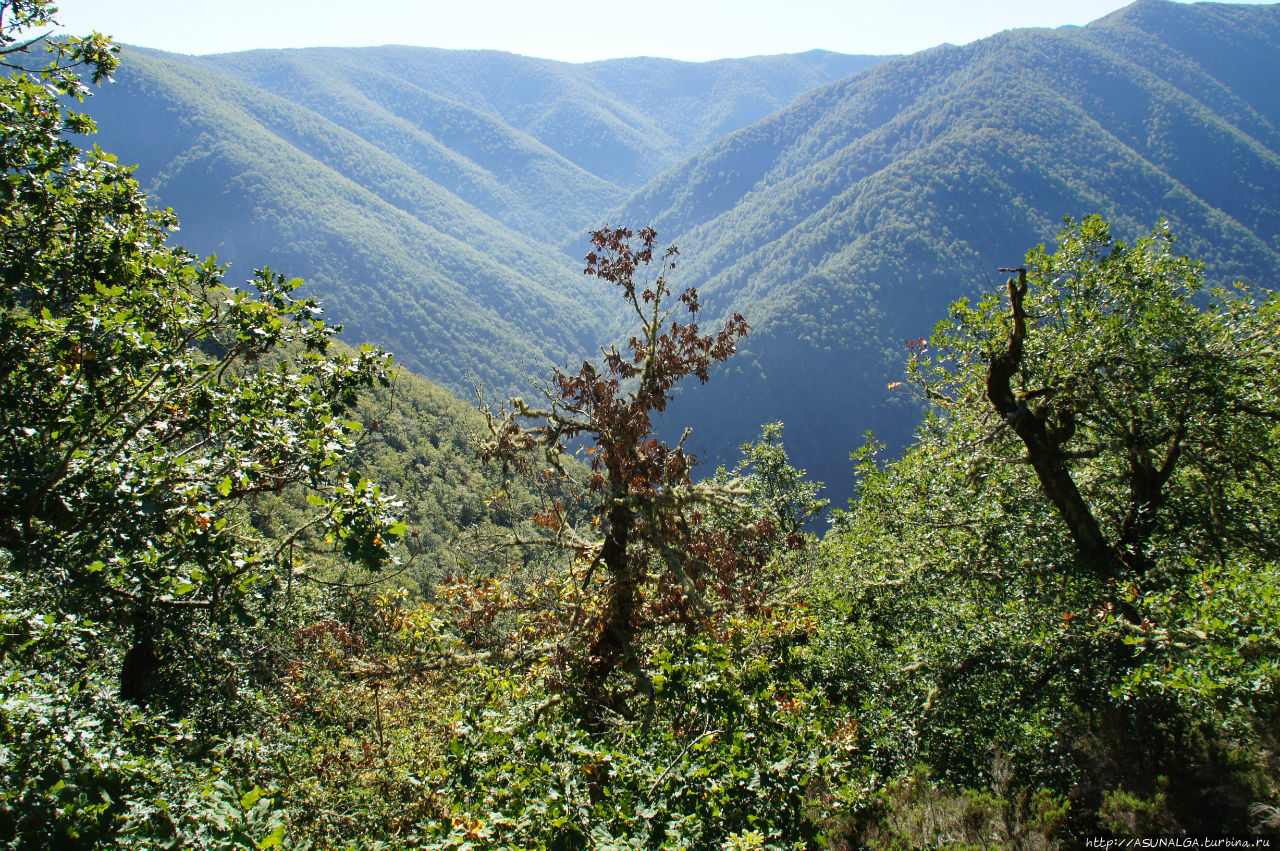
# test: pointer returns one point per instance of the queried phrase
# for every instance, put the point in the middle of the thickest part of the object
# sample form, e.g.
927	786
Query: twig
667	770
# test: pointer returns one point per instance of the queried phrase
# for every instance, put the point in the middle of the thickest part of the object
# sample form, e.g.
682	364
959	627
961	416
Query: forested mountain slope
528	123
425	194
394	256
845	224
437	201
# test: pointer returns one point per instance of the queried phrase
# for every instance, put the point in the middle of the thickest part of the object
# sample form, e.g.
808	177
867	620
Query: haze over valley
438	201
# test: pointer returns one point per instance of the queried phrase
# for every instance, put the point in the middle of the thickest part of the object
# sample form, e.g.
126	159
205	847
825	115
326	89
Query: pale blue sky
573	30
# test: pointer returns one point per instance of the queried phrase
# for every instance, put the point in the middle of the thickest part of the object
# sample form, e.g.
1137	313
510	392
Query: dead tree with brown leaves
642	498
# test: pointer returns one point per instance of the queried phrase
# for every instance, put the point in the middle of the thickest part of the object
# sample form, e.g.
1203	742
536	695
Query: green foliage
985	634
144	407
420	443
85	768
1124	814
732	747
1139	412
773	485
474	723
916	811
61	724
484	752
1212	651
128	450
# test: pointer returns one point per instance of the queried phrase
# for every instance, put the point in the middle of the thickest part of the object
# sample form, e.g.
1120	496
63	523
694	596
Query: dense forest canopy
259	590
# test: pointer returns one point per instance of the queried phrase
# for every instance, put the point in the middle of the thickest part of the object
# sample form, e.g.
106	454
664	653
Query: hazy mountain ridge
411	187
468	150
262	180
541	144
846	222
436	200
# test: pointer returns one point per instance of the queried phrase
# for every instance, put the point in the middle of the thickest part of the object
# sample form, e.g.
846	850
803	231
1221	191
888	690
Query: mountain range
425	194
437	201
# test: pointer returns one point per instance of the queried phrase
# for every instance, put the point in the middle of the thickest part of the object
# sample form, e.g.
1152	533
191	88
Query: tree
1060	585
644	500
67	56
144	404
143	400
1119	391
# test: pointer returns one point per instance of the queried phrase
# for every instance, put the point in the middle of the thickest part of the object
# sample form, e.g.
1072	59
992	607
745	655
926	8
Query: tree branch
1044	453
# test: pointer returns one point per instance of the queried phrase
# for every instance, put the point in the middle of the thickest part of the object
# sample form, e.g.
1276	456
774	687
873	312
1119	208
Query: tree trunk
1044	451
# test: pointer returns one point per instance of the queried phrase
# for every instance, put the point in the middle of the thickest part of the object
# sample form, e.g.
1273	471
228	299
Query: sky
572	30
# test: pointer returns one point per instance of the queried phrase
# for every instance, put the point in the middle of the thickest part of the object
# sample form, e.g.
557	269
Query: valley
840	202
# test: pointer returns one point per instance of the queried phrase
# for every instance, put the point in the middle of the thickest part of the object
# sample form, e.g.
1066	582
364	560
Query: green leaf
224	487
272	839
251	797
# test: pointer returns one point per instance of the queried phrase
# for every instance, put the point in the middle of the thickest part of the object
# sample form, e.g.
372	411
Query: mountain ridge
895	191
440	208
439	229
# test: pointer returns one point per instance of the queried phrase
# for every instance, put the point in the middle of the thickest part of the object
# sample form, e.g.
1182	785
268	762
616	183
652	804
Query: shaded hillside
397	258
557	141
435	199
424	194
418	442
845	224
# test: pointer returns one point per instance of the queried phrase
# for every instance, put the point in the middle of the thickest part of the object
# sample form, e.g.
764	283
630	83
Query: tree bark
1044	452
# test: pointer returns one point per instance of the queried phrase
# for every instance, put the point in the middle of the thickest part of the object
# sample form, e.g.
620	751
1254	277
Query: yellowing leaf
272	839
251	797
